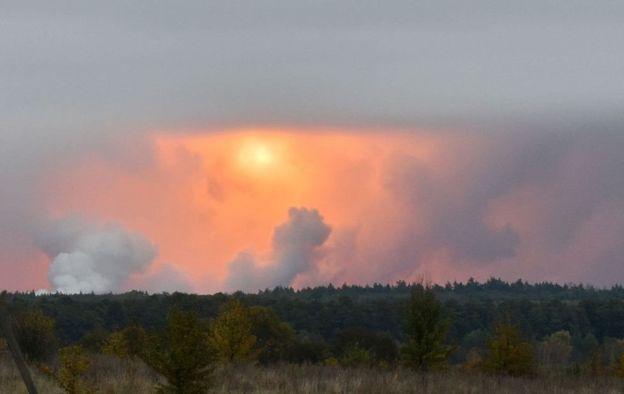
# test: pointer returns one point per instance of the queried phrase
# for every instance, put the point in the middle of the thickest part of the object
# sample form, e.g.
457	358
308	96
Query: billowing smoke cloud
297	247
531	205
539	202
93	258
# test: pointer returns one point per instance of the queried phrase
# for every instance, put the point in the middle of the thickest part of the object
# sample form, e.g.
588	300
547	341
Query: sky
217	146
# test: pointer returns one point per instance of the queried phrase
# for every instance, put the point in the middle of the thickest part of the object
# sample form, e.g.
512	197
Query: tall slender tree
426	329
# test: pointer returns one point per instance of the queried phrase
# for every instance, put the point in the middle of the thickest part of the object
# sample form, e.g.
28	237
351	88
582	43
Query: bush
309	351
356	356
381	347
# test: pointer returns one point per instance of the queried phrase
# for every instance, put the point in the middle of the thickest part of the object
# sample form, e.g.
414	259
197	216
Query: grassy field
111	375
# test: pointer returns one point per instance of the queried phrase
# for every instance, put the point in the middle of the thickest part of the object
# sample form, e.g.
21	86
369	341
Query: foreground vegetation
492	337
110	375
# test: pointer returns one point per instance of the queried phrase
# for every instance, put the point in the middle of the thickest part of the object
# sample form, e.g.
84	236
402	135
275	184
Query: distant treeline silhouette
493	327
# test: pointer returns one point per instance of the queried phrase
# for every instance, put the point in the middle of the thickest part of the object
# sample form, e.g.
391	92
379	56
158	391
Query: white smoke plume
93	258
297	247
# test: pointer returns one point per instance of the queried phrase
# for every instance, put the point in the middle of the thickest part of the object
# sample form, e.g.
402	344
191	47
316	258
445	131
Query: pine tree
181	355
426	330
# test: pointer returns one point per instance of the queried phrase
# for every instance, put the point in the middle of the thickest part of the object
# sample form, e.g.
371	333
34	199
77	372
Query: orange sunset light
209	196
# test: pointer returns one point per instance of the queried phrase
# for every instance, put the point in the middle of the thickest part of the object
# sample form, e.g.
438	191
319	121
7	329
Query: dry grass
111	375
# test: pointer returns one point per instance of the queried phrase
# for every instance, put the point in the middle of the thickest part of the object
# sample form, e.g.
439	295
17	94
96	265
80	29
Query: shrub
381	347
356	356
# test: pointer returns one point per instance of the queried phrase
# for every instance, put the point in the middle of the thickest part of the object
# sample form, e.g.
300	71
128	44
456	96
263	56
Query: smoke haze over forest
203	147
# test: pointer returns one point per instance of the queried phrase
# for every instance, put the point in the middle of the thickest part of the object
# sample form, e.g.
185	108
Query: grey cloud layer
536	206
146	64
75	76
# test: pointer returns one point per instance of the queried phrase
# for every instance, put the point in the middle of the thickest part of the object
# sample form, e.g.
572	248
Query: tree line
492	327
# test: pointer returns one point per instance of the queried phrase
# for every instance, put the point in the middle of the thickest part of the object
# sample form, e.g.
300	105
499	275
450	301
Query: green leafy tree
181	354
94	340
34	333
426	329
231	335
508	353
555	350
274	338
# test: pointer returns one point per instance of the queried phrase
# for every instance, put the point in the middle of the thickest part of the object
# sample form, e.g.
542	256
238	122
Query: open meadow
112	375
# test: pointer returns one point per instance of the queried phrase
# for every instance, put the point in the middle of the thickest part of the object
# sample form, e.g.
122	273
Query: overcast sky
77	75
75	66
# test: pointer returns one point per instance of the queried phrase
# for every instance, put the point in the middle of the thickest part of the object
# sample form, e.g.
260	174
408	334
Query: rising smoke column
296	248
90	257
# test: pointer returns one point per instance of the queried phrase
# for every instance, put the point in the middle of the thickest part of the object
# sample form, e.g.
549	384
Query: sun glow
212	195
256	155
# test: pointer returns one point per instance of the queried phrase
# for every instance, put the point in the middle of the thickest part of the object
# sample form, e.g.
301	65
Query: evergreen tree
181	355
426	330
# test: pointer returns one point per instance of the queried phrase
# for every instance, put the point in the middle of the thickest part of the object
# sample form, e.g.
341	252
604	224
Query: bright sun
256	155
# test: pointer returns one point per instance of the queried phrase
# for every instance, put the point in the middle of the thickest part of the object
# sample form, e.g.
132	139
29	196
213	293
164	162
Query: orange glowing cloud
397	205
207	196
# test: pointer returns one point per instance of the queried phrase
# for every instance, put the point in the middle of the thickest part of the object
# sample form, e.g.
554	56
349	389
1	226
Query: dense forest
571	329
590	315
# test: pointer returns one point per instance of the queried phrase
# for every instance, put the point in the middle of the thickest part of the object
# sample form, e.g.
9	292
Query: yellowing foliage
73	364
231	335
508	353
